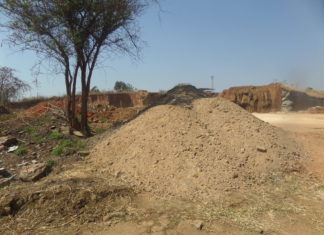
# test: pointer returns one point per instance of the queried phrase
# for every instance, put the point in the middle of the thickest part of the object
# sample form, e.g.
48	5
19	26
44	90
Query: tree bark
68	106
84	103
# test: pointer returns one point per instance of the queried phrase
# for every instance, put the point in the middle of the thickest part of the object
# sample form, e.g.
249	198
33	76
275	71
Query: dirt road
306	128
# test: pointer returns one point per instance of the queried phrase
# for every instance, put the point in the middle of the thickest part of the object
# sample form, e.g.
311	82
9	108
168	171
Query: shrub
30	129
40	140
66	143
99	130
68	147
58	151
51	163
122	86
21	151
56	136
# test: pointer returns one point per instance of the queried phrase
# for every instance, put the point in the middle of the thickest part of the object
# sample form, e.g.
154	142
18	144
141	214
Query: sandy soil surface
306	128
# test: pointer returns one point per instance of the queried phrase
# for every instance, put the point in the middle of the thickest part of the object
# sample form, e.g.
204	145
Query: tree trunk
75	121
68	106
84	104
84	112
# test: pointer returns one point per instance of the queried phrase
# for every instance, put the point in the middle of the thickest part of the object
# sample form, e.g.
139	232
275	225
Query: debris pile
180	95
45	107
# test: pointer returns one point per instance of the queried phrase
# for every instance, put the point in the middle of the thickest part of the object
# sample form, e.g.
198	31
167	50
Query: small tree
74	33
95	89
11	87
122	86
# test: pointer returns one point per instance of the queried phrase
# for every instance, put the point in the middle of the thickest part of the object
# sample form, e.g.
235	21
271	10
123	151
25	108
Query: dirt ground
83	199
307	129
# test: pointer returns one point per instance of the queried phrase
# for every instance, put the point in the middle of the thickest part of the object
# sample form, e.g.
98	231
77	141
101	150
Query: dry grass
268	207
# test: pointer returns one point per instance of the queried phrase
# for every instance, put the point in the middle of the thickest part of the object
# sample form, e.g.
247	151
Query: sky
238	42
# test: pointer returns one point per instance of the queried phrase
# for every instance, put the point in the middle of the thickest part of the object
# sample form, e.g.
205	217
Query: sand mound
198	152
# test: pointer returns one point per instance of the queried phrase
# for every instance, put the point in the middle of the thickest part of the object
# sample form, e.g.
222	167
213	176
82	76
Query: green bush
56	136
40	140
68	147
51	162
122	86
31	129
66	143
100	130
58	151
21	151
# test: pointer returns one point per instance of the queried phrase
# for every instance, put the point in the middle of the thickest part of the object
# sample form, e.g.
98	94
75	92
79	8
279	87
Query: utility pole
36	86
212	82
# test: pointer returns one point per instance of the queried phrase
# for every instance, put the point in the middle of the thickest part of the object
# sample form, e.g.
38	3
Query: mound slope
197	152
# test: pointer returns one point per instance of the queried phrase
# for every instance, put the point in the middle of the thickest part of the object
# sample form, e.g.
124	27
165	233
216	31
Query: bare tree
11	87
74	34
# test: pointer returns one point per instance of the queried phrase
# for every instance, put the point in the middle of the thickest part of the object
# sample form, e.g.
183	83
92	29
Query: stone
8	141
12	149
23	164
53	127
83	153
118	174
34	172
198	224
78	134
262	149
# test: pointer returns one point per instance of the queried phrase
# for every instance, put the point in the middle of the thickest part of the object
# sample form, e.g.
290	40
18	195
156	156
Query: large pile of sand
196	152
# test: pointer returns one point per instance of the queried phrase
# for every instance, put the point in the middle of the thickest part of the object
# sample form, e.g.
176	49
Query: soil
98	114
256	98
307	129
197	153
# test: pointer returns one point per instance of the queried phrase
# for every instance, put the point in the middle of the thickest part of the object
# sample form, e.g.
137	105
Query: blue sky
239	42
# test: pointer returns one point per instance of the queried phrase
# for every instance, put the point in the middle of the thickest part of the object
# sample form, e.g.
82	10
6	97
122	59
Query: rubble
34	172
